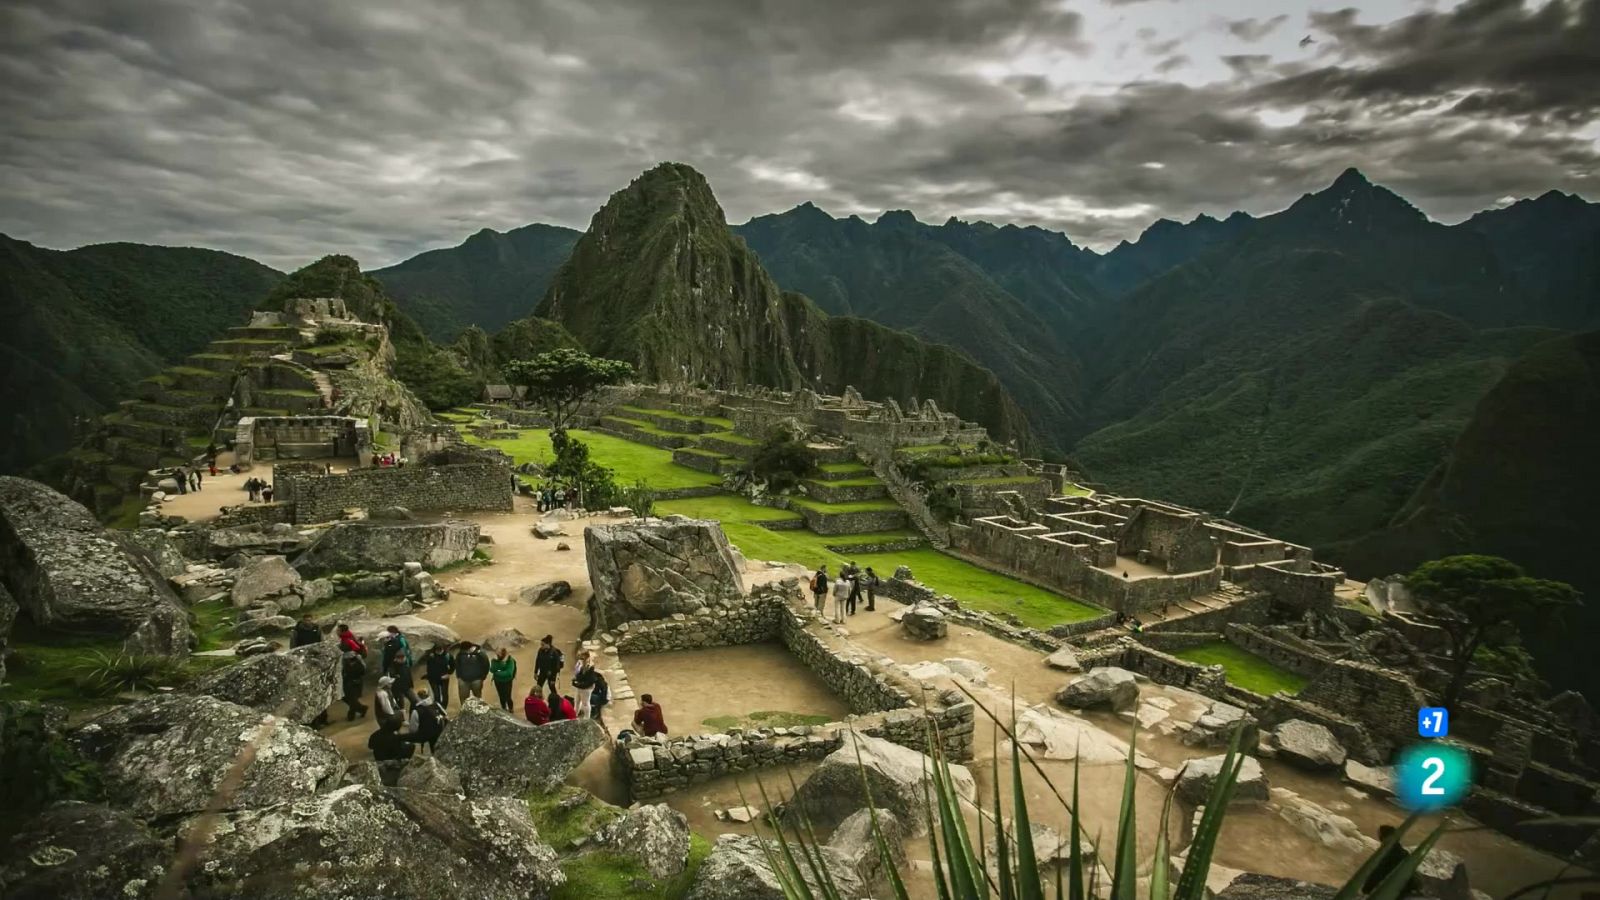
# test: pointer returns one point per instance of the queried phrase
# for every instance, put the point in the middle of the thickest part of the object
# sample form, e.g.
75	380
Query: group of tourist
258	489
847	589
187	478
388	460
551	497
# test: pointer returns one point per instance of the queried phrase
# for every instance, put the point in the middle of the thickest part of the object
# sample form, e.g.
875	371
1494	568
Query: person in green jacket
503	669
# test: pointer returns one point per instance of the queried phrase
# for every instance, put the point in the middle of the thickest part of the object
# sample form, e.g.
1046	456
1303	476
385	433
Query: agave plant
104	674
964	869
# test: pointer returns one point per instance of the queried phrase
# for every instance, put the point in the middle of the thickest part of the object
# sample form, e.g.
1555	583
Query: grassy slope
630	461
1244	669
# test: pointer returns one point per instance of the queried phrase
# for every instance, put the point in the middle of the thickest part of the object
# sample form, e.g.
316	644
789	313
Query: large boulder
1307	745
254	539
738	869
82	851
1251	886
262	579
925	622
853	841
1377	780
656	835
298	685
1106	687
545	592
70	574
1216	726
1197	775
500	754
169	756
427	773
653	569
421	633
364	546
364	841
893	775
162	550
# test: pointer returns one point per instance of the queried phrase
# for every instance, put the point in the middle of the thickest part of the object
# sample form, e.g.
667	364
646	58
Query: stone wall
1384	702
864	522
1255	609
1133	596
1281	654
301	437
1311	590
654	767
254	514
1176	541
1354	736
483	485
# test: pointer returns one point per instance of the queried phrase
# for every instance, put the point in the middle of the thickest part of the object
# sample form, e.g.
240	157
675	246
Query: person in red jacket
648	719
537	711
568	711
349	641
554	703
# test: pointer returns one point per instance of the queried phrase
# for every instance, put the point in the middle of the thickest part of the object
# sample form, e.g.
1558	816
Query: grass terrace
981	589
838	508
630	460
731	438
717	422
1244	669
841	468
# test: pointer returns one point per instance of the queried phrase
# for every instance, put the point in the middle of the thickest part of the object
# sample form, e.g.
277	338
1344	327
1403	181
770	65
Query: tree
560	380
782	461
1478	601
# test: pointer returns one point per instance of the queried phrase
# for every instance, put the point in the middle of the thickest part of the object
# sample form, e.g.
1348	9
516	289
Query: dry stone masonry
658	568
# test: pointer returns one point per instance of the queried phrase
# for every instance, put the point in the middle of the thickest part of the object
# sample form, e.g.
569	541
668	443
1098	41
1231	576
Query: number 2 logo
1435	766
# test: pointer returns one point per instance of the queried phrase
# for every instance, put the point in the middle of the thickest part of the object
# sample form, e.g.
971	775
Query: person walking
266	493
819	588
648	719
841	595
472	667
250	488
181	476
598	698
534	707
427	720
403	686
870	582
503	668
855	594
352	672
194	479
391	750
583	679
384	700
436	667
305	632
349	641
547	663
396	643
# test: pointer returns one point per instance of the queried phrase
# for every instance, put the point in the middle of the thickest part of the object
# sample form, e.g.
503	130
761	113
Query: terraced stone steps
844	471
853	490
676	422
643	432
850	518
214	362
728	444
705	460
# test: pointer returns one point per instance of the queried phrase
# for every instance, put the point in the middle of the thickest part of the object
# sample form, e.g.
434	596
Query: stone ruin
658	568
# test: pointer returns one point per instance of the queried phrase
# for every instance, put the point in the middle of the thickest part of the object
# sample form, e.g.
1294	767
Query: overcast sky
287	129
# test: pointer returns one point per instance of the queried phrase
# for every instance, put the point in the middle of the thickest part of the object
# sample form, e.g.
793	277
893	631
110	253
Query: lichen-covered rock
509	638
362	841
854	842
656	835
162	550
70	574
1197	775
362	546
1251	886
738	869
653	569
168	756
925	623
264	578
497	754
1308	745
297	685
8	617
82	851
427	773
1106	687
893	775
254	540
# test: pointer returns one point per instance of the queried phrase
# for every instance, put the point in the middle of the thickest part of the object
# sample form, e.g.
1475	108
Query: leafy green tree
560	380
782	460
596	484
1478	601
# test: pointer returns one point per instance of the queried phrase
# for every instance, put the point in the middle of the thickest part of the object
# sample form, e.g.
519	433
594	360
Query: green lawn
1073	489
835	468
836	508
1008	479
631	461
982	589
852	482
1244	669
724	508
731	438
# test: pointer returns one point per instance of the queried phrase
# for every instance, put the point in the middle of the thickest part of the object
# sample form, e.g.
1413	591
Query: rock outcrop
365	546
168	756
364	841
1216	726
656	835
1107	687
1197	775
82	851
853	842
421	632
925	622
545	592
654	569
500	755
70	574
1307	745
1251	886
298	685
265	578
893	775
738	869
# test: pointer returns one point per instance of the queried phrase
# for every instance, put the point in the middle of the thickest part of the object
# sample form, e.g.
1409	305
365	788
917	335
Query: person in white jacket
841	595
384	700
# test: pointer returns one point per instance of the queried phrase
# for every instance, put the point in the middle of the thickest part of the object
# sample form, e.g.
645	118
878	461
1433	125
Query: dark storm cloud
1252	30
1504	57
291	129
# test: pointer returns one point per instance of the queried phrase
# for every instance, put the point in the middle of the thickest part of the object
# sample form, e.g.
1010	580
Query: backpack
819	583
601	695
430	719
585	678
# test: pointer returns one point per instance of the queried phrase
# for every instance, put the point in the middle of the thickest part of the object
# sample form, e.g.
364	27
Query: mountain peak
897	218
1353	201
1351	177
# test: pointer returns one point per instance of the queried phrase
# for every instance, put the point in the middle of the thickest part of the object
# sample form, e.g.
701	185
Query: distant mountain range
1337	373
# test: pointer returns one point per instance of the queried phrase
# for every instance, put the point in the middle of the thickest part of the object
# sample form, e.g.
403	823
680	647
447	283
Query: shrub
596	484
640	498
781	461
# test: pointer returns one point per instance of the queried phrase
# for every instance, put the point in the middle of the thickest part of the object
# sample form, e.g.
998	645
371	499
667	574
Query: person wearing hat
384	700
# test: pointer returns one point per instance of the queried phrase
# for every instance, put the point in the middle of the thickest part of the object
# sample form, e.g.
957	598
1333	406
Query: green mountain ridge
660	280
79	327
